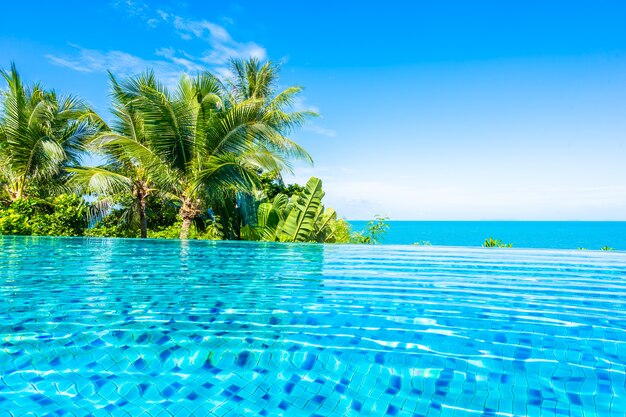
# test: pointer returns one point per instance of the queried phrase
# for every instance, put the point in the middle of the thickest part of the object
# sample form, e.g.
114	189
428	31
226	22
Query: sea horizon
537	234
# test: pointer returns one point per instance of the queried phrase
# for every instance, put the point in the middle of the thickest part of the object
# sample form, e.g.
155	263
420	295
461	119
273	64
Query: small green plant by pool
373	233
607	248
495	243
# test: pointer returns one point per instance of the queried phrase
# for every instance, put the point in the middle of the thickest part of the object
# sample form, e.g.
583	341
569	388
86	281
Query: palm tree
254	81
41	134
214	140
132	167
198	145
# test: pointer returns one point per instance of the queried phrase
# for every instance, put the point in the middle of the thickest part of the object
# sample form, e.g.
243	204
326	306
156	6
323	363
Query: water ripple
125	327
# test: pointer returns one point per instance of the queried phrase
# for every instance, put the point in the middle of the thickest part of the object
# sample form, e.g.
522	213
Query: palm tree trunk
141	193
184	230
188	211
143	222
237	219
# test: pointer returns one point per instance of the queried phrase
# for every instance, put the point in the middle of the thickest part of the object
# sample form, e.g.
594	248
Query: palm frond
99	180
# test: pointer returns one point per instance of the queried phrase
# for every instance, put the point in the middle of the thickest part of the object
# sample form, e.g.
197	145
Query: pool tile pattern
97	327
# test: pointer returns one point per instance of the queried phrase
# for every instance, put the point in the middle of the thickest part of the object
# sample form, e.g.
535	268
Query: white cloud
163	15
185	61
221	47
92	60
137	9
300	104
122	63
362	193
315	128
202	29
414	200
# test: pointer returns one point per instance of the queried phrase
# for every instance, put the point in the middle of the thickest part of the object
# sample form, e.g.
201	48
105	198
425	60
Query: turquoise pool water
169	328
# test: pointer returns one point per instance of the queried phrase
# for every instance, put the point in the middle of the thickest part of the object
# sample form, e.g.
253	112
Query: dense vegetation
203	160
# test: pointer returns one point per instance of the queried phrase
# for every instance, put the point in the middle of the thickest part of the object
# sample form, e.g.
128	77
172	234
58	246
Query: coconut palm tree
131	167
213	140
256	82
41	134
197	145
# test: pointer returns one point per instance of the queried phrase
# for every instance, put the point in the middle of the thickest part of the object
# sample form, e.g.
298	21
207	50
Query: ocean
522	234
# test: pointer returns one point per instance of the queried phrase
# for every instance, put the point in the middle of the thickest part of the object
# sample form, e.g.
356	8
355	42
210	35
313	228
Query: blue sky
430	110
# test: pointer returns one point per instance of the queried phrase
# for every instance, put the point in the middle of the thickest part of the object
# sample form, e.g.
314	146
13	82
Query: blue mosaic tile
306	330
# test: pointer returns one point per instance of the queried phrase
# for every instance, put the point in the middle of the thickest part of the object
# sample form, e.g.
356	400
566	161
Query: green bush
112	225
64	215
67	217
12	222
374	232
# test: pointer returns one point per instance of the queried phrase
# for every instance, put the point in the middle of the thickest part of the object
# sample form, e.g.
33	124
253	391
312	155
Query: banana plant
295	219
300	223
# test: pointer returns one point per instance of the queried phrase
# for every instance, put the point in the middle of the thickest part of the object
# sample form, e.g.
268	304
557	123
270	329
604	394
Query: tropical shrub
14	222
272	184
374	232
112	225
66	216
342	231
63	215
210	232
163	223
495	243
299	218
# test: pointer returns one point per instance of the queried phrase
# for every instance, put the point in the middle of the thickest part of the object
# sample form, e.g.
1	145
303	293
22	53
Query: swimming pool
157	328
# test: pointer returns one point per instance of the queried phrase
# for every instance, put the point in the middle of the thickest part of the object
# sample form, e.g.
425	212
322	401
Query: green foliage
14	222
210	232
169	232
342	231
67	217
300	218
163	224
112	225
41	134
423	243
304	214
272	184
374	232
495	243
63	215
205	158
160	212
606	248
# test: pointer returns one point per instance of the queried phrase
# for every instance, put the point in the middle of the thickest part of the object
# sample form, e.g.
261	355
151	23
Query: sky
447	110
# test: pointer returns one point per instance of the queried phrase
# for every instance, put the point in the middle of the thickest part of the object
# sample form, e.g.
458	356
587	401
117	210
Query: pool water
177	328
